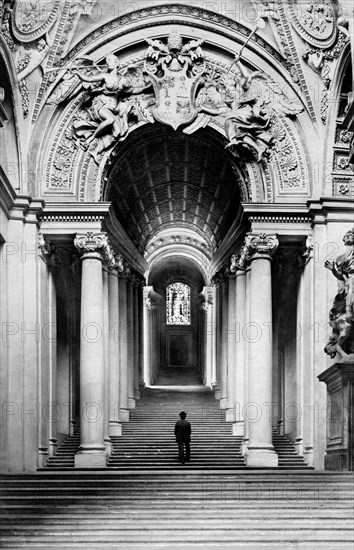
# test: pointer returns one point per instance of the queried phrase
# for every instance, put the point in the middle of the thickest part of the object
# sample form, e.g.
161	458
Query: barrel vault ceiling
166	179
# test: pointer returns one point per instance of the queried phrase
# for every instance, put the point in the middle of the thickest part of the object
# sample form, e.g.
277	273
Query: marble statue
341	315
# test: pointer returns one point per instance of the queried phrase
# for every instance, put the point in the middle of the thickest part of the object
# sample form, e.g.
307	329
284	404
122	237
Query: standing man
183	432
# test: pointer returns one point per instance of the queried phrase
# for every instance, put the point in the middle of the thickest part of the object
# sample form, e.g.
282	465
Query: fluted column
95	250
260	249
114	424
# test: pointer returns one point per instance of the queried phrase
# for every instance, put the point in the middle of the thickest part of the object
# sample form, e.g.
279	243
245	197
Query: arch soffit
68	169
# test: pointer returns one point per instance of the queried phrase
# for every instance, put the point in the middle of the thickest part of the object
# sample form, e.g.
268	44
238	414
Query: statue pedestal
339	379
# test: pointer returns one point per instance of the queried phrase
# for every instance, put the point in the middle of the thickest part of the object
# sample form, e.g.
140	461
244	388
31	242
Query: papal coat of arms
175	70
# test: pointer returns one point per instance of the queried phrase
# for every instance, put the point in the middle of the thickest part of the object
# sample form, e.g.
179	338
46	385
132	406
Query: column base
124	415
53	446
43	456
230	415
86	459
115	429
299	446
244	447
217	394
137	394
238	428
108	446
308	456
261	458
223	403
131	403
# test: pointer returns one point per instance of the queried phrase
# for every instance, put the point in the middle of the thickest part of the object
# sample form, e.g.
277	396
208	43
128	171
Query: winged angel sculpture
176	86
248	103
111	92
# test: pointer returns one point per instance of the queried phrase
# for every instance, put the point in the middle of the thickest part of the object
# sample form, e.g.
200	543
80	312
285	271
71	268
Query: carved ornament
95	245
48	252
315	22
261	244
176	86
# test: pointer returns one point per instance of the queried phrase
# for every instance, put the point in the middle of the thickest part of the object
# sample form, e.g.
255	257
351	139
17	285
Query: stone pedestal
339	379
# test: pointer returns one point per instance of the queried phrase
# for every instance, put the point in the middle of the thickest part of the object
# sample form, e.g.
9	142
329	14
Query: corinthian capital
95	245
261	244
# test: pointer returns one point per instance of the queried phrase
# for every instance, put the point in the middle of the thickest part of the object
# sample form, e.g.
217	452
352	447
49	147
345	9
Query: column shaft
238	428
92	450
115	427
260	450
107	439
123	351
246	436
130	344
231	348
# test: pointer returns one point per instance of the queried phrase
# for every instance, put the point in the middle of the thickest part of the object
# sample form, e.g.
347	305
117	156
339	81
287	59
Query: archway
176	196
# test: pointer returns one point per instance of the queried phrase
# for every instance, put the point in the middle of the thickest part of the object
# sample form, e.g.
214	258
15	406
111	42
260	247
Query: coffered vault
164	179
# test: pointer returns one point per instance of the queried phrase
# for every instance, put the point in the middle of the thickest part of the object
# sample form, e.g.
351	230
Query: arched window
178	304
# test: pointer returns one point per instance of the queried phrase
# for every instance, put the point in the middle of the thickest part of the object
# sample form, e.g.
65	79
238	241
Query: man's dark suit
183	432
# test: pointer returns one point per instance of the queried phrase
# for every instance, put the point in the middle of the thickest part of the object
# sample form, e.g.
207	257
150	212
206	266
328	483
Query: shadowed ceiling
164	178
176	269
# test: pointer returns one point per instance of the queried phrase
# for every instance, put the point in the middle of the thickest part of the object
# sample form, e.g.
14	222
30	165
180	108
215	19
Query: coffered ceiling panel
163	178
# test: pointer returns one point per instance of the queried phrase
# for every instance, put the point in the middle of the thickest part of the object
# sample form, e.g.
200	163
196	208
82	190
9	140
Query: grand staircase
148	440
147	500
248	510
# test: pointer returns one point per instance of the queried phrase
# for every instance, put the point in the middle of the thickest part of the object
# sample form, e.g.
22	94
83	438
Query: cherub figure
341	315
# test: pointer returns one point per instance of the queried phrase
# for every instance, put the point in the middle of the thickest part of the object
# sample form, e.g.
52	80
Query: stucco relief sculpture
341	315
111	93
248	103
175	70
175	85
